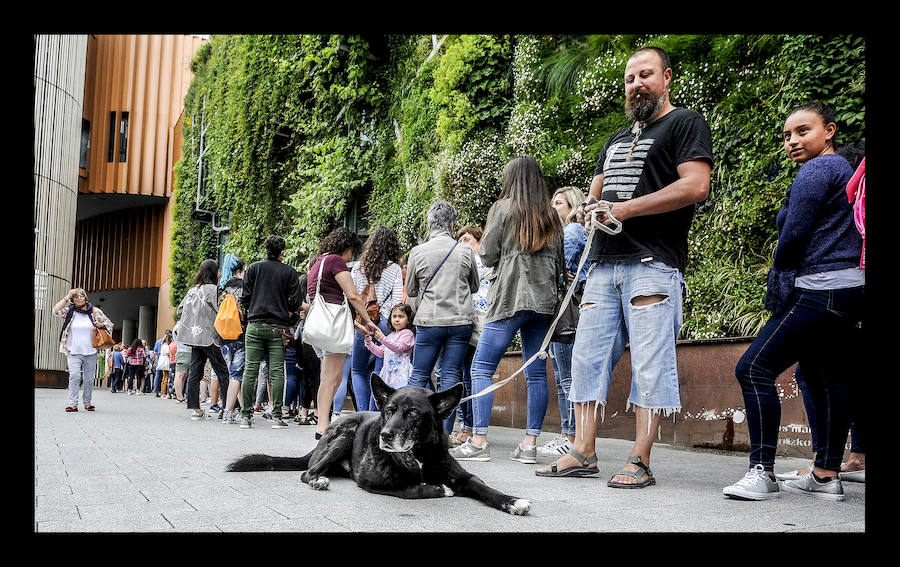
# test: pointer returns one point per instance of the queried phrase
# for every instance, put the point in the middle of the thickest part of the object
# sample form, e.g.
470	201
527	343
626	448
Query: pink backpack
856	194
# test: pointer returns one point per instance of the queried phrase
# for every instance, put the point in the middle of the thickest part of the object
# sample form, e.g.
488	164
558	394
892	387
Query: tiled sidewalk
139	464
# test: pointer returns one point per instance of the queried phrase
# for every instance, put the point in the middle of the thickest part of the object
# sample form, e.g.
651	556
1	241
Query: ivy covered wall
299	130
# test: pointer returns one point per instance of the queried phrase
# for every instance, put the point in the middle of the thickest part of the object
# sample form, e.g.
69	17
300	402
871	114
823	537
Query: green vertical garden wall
299	129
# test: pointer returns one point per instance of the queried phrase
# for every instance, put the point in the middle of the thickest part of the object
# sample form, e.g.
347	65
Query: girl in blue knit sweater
815	292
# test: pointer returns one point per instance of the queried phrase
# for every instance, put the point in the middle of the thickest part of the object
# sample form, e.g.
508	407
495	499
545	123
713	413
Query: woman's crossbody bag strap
438	268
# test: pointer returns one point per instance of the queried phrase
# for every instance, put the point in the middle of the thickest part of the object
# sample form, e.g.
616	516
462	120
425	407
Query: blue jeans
361	360
562	372
117	379
495	339
464	411
608	319
857	416
818	329
291	379
157	381
235	354
341	393
453	340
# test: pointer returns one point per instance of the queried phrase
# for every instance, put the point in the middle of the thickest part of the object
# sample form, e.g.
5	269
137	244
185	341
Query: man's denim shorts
608	321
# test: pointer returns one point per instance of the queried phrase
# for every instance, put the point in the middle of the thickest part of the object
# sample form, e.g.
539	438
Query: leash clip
604	207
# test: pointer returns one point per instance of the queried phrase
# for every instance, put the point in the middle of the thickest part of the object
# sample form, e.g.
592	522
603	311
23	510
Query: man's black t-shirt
680	136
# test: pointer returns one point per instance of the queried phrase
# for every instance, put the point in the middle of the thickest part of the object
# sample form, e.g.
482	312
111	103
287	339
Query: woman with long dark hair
335	251
377	267
197	316
135	355
815	291
523	243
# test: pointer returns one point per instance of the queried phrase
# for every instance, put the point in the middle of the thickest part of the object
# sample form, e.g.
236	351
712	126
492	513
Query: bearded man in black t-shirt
648	178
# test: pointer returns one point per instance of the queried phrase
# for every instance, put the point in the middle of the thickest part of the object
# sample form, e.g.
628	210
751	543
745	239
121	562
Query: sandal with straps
588	467
636	475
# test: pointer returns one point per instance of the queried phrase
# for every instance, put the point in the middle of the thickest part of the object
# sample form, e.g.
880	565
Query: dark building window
111	145
85	143
123	137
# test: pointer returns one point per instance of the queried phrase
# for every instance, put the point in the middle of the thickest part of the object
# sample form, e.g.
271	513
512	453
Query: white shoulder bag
328	326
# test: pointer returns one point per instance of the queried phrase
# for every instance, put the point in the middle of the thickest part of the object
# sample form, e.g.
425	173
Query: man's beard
645	106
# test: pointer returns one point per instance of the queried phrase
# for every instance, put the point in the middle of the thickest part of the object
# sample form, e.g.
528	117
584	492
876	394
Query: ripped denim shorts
608	320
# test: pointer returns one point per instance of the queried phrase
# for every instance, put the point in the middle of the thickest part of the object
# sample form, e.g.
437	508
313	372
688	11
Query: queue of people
464	293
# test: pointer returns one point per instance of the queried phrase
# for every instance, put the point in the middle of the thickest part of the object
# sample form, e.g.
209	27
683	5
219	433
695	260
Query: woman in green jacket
523	243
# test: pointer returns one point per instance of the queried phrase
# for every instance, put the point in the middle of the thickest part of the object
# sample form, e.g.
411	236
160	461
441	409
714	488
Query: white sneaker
559	445
756	485
811	486
792	475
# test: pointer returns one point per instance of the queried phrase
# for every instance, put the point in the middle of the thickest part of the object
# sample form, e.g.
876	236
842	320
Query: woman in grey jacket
441	277
523	244
197	316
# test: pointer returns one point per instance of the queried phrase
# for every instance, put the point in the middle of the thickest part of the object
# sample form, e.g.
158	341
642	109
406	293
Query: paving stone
139	464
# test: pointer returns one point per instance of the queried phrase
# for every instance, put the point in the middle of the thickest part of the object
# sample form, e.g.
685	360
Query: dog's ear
445	402
380	390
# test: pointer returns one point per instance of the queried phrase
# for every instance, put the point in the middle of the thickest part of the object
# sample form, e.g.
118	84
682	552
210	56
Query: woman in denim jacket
523	244
565	202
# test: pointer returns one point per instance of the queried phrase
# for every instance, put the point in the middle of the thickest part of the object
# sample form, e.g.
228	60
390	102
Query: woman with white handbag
329	325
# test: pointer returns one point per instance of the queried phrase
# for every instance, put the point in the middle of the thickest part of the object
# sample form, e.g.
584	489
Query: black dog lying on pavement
400	451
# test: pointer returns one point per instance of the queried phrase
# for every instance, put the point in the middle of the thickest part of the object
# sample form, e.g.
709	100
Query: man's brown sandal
636	475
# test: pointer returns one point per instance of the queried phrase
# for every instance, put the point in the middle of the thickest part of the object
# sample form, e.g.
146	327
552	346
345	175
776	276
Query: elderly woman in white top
76	342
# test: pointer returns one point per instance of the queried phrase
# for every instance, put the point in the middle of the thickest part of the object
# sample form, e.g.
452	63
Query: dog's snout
387	436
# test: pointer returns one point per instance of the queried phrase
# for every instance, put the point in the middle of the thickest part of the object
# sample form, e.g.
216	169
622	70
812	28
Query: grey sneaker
809	484
228	417
198	416
527	455
469	452
279	424
756	485
246	422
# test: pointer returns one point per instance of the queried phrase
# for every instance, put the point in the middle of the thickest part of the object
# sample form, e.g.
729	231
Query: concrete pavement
139	464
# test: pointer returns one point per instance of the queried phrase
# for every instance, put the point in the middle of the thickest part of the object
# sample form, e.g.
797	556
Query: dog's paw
447	490
319	483
517	507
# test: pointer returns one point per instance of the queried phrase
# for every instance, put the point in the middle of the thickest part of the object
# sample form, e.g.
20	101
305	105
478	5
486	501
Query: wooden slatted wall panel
120	250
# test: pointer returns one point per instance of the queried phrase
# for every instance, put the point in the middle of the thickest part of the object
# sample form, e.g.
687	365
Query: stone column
128	334
147	324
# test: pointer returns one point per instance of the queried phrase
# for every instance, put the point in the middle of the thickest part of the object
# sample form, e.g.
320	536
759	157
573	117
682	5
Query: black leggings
133	374
310	368
199	356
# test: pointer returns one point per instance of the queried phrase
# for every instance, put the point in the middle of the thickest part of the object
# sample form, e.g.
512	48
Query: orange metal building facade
133	101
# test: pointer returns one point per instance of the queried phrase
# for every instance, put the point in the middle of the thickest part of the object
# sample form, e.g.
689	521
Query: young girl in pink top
395	348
